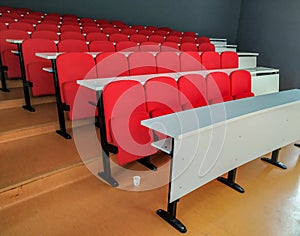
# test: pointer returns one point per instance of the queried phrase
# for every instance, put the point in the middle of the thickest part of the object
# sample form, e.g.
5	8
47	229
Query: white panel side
202	157
247	62
264	84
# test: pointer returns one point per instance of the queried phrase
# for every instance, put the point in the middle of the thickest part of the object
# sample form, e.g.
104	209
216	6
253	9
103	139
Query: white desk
225	47
247	59
218	41
210	141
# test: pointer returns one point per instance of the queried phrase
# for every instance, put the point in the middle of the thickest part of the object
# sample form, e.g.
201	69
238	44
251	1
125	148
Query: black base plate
297	145
64	134
172	220
4	90
108	179
231	184
277	163
29	108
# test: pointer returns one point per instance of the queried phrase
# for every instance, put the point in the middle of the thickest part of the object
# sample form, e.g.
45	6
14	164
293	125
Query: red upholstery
173	38
167	29
44	34
110	30
152	28
175	33
190	61
202	39
72	67
3	26
241	84
96	36
149	47
141	63
186	39
110	64
218	87
86	19
9	59
146	32
48	27
106	25
118	22
12	15
124	109
89	24
138	38
102	21
127	46
128	31
192	89
211	60
118	37
206	47
72	35
7	19
42	80
157	38
72	45
138	27
90	29
30	21
229	60
162	96
102	46
21	26
169	46
163	33
123	27
167	62
190	34
189	47
74	28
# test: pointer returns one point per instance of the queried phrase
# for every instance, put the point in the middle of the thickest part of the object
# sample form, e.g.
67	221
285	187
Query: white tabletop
244	54
54	55
19	41
188	122
218	39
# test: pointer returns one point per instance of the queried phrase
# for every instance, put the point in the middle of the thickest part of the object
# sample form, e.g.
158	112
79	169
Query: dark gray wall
272	28
214	18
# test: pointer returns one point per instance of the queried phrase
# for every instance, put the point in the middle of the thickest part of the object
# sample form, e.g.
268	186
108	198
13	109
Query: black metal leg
170	217
3	79
146	162
274	160
106	173
297	145
26	85
230	181
60	106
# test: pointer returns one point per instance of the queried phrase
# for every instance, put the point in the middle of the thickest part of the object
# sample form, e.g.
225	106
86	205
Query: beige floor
48	192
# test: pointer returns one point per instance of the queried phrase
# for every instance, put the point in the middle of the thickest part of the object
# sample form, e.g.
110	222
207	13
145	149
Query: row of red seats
127	103
77	66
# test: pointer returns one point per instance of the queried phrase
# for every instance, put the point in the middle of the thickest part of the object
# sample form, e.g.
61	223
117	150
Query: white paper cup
136	180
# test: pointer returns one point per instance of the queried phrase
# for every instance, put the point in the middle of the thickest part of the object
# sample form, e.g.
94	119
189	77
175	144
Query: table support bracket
230	181
146	162
274	159
106	173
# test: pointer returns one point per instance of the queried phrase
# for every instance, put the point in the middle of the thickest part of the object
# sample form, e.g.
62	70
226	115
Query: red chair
162	96
124	107
206	47
141	63
22	26
189	39
175	33
167	29
9	59
118	22
50	21
72	45
190	61
90	29
102	21
86	19
70	28
149	47
146	32
110	64
188	46
110	30
70	68
189	34
211	60
71	35
42	81
218	87
118	37
169	46
138	27
120	27
161	33
192	88
202	39
127	46
89	24
48	27
173	38
96	36
156	38
7	20
70	16
30	21
152	28
102	46
44	34
167	62
229	60
12	15
3	26
240	81
138	38
106	25
128	31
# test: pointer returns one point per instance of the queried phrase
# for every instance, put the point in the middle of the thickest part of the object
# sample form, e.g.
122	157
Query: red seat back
149	47
156	38
211	60
96	36
240	81
118	37
72	45
48	27
127	46
44	34
190	61
72	35
173	38
138	38
189	47
141	63
206	47
202	39
167	62
21	26
229	60
102	46
169	46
